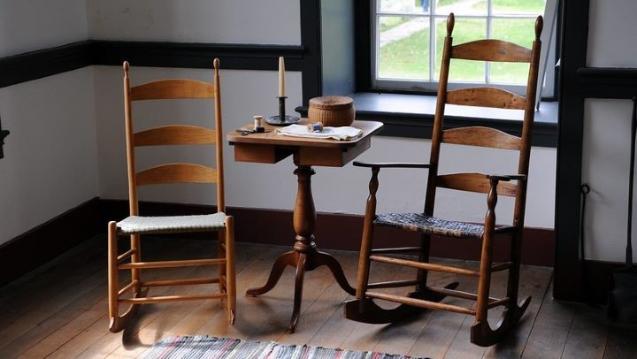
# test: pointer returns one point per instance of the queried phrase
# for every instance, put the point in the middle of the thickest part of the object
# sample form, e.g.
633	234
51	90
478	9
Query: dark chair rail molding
196	55
607	82
41	63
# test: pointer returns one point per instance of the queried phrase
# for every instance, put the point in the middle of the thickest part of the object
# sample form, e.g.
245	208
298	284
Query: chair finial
451	21
216	63
126	66
539	25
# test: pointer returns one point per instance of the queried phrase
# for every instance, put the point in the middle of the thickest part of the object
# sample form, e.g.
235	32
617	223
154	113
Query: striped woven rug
226	348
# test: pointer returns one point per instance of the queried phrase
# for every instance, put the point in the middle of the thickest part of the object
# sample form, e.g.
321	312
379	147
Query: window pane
465	30
403	49
529	7
518	31
405	6
461	7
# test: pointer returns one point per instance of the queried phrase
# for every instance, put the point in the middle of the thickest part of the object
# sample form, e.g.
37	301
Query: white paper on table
344	133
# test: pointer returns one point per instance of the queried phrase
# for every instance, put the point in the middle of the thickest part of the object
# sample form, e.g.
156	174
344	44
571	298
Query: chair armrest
390	165
506	178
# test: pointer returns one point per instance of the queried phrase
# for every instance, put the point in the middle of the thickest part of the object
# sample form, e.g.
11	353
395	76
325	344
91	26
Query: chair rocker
134	226
363	308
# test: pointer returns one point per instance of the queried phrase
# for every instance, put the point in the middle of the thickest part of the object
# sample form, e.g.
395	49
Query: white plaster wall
216	21
50	156
605	167
606	152
68	128
612	33
246	93
27	25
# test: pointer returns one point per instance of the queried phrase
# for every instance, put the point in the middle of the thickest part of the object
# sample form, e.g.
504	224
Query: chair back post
436	135
221	204
527	126
130	146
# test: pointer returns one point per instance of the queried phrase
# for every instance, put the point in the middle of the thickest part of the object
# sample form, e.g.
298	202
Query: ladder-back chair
135	225
363	307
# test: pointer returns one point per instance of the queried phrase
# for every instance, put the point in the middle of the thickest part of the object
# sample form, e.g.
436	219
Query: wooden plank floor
59	311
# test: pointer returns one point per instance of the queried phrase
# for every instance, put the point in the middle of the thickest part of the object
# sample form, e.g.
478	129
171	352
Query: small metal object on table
282	119
307	152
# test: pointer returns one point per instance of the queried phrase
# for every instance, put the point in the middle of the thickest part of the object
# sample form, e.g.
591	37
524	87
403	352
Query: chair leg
231	291
221	253
117	322
135	244
113	281
425	243
481	333
514	272
362	277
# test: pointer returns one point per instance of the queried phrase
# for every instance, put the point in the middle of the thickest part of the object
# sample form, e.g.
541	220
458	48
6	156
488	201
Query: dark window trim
363	54
579	82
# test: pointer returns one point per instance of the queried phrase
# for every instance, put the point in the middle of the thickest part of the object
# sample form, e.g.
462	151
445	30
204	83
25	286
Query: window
407	39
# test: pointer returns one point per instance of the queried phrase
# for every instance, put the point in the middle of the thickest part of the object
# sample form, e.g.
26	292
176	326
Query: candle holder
282	119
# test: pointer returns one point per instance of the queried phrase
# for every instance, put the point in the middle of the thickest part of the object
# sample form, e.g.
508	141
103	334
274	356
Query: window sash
431	83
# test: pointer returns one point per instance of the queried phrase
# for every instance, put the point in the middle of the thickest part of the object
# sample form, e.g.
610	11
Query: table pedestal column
305	256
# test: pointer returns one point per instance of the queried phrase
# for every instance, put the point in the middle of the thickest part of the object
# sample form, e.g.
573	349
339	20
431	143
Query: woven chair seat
431	225
171	224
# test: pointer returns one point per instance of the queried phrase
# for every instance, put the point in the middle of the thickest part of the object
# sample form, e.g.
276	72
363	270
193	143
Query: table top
271	137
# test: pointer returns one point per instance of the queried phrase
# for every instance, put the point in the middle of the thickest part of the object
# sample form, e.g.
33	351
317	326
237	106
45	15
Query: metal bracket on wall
3	134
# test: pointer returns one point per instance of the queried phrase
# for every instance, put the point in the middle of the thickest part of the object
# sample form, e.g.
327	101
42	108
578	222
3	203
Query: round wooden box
332	111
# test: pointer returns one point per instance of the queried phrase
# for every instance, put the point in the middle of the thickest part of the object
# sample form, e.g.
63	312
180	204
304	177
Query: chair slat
486	97
172	89
474	182
481	136
177	173
175	135
491	50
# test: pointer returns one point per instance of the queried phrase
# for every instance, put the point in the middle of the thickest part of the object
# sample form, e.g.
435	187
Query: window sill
412	116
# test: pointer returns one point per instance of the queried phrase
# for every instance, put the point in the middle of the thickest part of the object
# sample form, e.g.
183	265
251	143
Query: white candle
281	77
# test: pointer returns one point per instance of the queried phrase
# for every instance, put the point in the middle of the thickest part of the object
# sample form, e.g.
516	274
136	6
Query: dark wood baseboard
342	231
48	240
334	231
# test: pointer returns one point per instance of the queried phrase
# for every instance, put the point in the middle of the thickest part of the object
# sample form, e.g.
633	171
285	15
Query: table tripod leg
322	258
284	260
298	291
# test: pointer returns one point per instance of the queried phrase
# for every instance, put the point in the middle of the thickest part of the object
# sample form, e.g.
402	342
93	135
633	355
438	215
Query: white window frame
431	85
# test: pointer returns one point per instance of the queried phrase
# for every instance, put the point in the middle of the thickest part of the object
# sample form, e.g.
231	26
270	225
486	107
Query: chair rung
171	298
425	266
421	303
458	294
194	281
498	302
173	264
396	250
122	257
501	266
127	287
393	284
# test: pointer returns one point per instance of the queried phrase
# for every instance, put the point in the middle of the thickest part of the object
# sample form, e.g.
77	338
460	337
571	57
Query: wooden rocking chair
363	308
136	225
